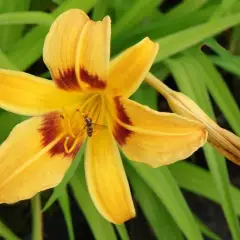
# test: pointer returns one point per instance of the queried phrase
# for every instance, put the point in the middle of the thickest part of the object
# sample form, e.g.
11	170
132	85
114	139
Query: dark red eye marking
67	80
93	80
120	133
51	128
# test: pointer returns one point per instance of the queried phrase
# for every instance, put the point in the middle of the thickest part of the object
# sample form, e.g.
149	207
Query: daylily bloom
85	84
223	140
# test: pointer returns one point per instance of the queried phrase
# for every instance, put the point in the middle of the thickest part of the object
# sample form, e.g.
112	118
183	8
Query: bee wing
97	127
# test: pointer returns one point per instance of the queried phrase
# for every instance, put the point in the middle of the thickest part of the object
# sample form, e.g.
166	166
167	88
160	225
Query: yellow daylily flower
87	89
223	140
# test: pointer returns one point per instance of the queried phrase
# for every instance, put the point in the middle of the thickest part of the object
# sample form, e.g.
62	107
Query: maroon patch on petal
121	133
93	80
59	148
50	129
67	80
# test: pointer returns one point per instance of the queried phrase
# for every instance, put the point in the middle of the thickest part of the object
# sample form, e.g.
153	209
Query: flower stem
36	218
158	85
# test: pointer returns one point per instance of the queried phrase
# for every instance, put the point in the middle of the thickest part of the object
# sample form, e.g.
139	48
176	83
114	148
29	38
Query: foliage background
199	46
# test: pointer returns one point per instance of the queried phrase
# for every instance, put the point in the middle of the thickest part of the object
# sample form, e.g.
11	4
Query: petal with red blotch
93	54
59	52
32	158
154	138
106	179
26	94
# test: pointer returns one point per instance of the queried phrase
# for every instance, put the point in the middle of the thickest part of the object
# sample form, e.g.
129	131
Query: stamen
81	109
76	141
66	123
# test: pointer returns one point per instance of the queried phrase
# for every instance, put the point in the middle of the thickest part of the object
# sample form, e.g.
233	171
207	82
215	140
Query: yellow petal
26	94
106	178
128	70
59	52
155	138
224	141
32	158
93	54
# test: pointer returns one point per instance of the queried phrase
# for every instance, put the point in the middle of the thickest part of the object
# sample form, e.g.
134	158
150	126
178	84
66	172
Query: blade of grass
184	8
136	13
189	79
36	218
206	231
100	10
223	53
146	95
27	50
5	62
101	229
182	40
226	64
235	40
160	27
59	190
157	215
225	7
8	120
6	233
164	186
32	17
11	34
201	182
217	87
65	207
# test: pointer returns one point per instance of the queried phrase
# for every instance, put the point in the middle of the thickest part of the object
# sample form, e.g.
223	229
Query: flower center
79	121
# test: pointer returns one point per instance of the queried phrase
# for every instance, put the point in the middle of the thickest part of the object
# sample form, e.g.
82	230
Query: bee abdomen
90	131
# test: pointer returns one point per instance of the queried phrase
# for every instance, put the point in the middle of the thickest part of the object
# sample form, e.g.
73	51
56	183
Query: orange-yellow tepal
38	151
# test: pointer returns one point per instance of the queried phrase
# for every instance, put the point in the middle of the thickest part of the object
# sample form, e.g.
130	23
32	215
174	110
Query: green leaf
11	34
225	7
185	8
160	27
101	228
164	186
189	77
100	10
26	51
157	215
146	95
8	120
217	87
235	40
59	190
201	182
5	62
32	17
182	40
205	230
58	1
227	65
65	207
6	233
137	11
225	56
